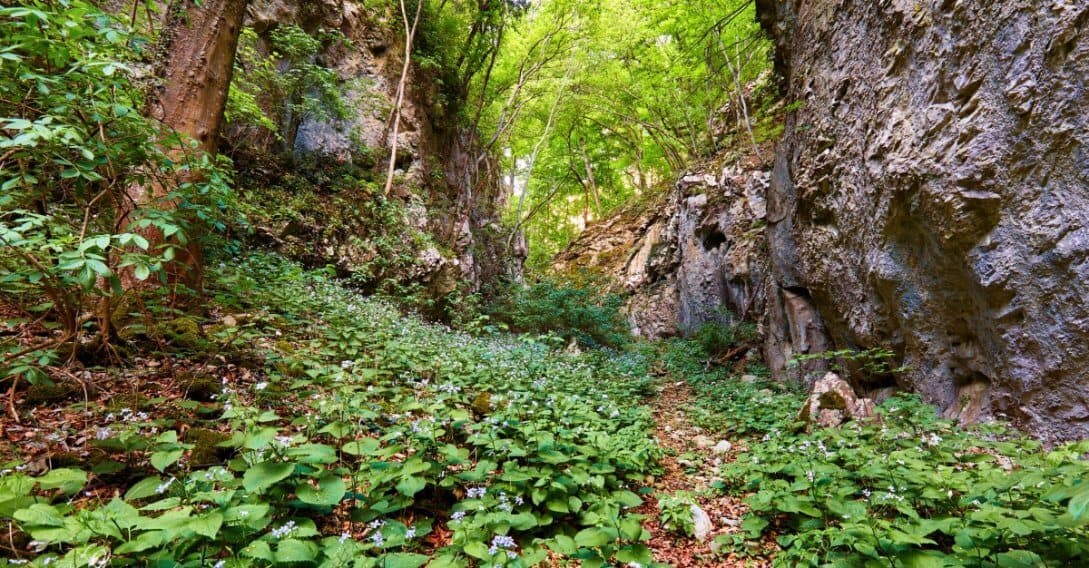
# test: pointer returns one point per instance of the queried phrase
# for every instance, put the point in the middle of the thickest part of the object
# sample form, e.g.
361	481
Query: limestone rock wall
931	195
691	255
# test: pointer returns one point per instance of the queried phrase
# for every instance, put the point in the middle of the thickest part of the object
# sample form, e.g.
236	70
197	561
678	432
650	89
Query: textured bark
196	61
193	75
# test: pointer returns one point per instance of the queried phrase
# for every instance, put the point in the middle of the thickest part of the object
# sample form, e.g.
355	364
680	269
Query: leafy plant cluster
93	196
279	82
907	490
369	439
568	309
725	403
675	513
723	333
916	491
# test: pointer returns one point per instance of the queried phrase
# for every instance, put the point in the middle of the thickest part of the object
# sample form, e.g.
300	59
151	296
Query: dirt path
692	464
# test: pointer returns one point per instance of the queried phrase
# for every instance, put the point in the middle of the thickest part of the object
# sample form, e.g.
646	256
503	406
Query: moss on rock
206	450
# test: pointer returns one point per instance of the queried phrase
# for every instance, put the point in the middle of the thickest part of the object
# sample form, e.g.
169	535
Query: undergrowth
909	489
365	438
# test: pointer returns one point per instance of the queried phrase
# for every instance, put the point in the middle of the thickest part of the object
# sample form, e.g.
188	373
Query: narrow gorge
517	283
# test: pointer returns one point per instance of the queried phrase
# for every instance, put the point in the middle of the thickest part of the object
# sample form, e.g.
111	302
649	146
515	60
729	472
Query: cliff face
439	228
930	195
693	255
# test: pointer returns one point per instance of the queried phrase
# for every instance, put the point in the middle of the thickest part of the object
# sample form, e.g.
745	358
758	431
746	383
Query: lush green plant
723	333
570	310
277	89
675	513
74	148
725	403
916	491
877	361
365	424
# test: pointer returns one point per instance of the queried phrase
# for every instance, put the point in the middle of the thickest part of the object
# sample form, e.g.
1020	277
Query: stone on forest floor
723	447
749	378
701	524
703	442
833	402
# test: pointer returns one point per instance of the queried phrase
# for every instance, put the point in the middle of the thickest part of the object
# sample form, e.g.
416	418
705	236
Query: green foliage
367	420
74	146
877	361
717	336
570	310
275	88
725	403
602	102
916	490
675	513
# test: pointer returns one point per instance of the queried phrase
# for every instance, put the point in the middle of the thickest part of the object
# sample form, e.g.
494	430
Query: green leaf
410	486
144	488
478	549
163	460
313	454
635	553
402	560
563	544
922	559
364	447
1079	504
207	525
266	474
593	537
290	551
330	491
40	515
259	549
67	480
1020	559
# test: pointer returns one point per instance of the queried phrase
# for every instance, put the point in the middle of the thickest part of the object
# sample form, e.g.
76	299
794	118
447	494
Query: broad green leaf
290	551
265	475
402	560
330	491
67	480
593	537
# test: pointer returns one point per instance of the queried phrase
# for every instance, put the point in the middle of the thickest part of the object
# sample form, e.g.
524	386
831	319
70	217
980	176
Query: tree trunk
193	75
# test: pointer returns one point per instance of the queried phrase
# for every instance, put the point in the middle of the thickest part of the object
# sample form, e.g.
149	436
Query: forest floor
691	464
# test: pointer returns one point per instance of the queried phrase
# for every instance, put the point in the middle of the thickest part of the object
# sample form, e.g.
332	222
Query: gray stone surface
931	195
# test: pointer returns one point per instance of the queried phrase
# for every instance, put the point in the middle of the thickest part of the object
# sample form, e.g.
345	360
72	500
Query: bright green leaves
595	537
67	480
329	491
266	474
378	430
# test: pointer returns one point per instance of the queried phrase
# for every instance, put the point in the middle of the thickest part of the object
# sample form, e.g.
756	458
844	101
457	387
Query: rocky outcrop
693	255
440	226
832	402
931	195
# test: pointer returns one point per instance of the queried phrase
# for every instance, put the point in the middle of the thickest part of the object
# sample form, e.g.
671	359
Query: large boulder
832	402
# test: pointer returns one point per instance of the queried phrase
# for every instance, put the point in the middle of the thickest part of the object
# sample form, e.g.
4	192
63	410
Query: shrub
74	144
723	333
571	311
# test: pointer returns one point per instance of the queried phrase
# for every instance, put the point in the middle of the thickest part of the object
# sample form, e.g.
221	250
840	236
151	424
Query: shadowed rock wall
932	195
